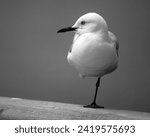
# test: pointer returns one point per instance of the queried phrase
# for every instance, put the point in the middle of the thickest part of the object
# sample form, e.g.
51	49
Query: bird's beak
67	29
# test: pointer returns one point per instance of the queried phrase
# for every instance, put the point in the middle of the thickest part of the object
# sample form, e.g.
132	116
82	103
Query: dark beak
66	29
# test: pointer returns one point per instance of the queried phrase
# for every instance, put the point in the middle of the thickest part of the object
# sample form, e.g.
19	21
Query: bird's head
90	22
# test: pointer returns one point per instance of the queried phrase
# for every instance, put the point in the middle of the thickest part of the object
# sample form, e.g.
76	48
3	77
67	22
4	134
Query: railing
16	108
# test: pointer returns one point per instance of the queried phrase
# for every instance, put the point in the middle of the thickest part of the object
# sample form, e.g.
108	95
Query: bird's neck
103	34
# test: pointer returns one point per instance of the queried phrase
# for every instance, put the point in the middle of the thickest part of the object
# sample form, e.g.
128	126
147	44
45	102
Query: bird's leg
93	104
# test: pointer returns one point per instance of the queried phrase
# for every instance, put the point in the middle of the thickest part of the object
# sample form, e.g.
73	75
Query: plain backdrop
33	61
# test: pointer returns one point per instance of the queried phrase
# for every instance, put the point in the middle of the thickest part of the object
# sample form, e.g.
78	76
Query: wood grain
24	109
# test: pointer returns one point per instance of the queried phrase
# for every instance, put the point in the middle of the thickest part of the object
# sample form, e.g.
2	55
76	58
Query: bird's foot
93	105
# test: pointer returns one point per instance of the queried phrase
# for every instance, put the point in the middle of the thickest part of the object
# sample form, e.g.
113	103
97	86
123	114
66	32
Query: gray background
33	61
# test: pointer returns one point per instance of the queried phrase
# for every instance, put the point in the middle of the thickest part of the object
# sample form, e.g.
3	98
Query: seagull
94	51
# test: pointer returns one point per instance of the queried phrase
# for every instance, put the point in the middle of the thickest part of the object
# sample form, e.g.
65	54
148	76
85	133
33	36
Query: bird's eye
82	22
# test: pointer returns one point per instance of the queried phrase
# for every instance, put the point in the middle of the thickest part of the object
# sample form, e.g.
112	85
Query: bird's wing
117	47
114	39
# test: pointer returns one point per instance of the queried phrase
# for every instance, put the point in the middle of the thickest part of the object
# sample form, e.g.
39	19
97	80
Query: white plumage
94	51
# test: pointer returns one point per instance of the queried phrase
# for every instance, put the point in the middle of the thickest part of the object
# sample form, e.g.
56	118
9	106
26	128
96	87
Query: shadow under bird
94	51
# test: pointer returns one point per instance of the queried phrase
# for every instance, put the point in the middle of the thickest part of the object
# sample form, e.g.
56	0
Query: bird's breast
91	56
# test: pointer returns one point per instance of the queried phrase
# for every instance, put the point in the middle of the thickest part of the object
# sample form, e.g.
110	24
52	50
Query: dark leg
93	104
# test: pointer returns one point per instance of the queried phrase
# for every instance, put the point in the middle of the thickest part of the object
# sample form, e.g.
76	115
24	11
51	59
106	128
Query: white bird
94	51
